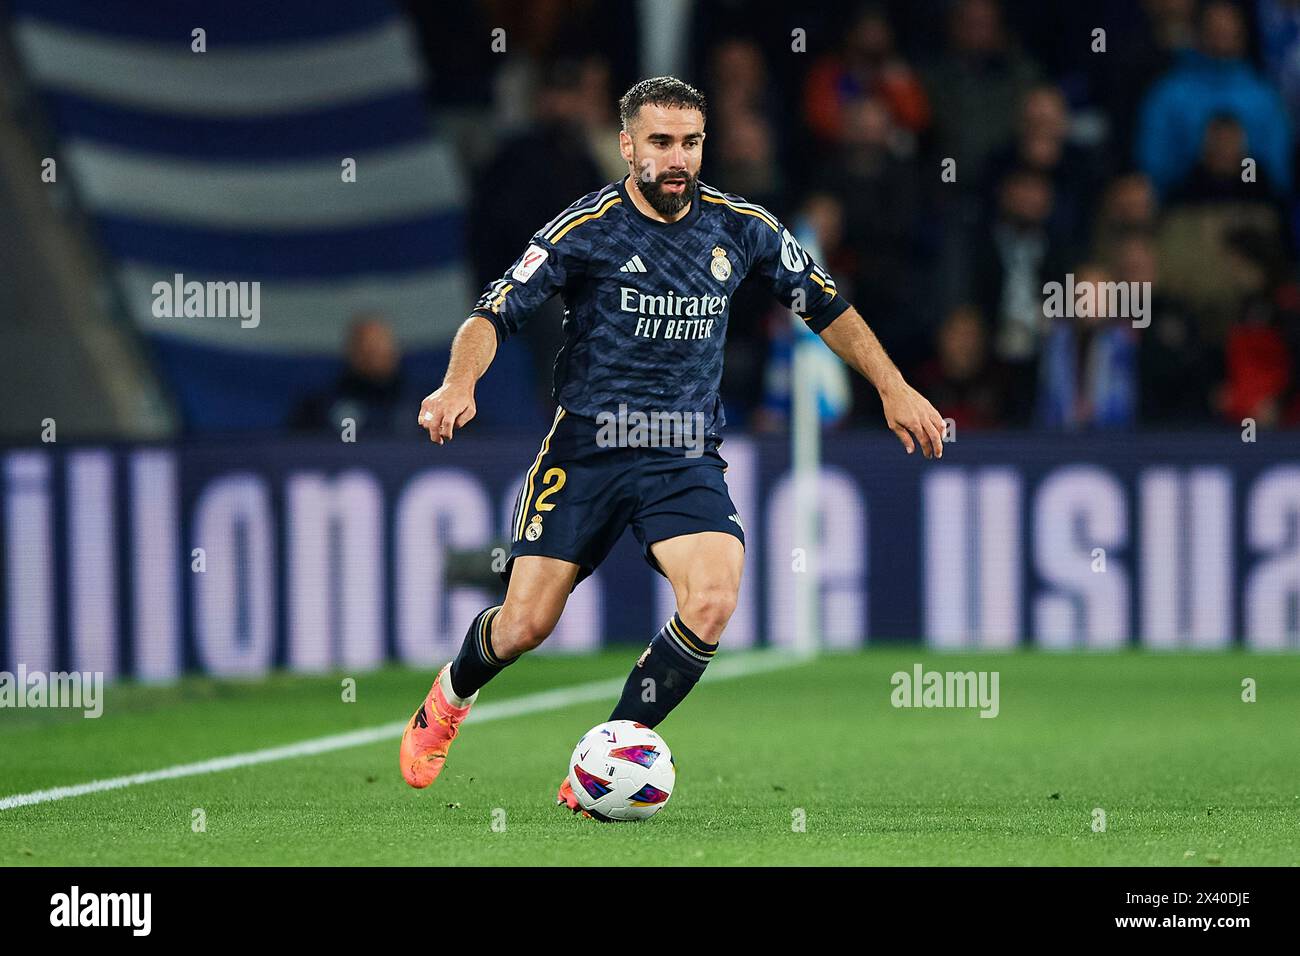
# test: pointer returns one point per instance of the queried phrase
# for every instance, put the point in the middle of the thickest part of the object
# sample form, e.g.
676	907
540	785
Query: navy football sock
664	675
476	663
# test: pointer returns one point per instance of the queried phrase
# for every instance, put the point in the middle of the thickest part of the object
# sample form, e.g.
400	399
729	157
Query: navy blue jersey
646	302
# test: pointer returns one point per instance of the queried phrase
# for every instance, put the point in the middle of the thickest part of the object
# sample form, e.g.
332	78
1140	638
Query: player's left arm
906	410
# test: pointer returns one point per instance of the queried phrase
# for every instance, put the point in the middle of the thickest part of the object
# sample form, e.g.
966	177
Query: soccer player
646	267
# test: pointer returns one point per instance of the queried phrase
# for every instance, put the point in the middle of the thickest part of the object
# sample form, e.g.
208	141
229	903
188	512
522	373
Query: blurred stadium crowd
1123	164
1120	140
1116	163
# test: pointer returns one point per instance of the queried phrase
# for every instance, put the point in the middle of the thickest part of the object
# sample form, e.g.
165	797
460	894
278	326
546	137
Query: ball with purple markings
622	770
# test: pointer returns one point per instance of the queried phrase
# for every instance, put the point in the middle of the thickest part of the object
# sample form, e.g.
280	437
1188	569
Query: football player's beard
667	204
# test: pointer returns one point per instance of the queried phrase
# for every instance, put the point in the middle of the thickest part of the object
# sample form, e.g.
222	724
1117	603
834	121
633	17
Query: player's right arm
452	404
502	310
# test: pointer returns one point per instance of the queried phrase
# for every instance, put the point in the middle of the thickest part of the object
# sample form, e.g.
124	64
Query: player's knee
708	610
517	633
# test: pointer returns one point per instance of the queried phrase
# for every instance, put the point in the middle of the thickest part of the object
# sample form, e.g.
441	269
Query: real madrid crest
534	529
721	265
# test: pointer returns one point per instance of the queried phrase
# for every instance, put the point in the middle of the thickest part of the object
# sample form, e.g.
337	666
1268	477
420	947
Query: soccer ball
622	770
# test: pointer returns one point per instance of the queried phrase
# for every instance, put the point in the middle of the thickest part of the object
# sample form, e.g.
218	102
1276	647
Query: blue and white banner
236	558
289	146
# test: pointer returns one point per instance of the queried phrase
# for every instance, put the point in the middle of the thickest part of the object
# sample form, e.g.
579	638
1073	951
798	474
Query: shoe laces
450	721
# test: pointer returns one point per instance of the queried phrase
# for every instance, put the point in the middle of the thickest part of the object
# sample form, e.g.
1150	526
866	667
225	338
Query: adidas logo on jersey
633	265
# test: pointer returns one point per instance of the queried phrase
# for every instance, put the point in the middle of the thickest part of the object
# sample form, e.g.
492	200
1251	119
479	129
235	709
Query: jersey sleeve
539	273
798	282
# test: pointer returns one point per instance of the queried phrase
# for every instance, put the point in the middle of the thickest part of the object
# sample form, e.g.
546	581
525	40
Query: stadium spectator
1137	55
822	217
1212	80
1128	207
1088	378
542	168
966	382
539	169
1218	175
1012	257
1262	343
738	80
1178	370
595	115
370	391
883	201
1042	142
866	66
744	159
976	85
1211	204
743	148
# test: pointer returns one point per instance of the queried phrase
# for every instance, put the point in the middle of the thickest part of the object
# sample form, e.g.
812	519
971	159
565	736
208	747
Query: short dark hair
659	91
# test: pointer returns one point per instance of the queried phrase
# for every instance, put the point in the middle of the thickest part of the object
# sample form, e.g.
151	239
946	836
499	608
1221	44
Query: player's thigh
576	500
704	569
535	598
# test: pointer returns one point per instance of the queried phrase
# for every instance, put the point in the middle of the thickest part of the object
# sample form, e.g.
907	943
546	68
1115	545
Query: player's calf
479	658
705	570
665	673
520	629
539	588
498	637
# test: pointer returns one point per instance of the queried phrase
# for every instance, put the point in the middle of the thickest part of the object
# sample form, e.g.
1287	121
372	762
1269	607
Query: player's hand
447	409
908	414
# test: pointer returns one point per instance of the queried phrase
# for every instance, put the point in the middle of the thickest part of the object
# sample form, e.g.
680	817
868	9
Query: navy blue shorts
577	497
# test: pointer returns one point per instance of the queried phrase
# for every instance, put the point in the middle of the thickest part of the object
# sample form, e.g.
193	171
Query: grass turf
1186	772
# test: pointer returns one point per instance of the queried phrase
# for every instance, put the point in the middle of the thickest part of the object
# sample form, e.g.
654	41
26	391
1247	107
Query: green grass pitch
1186	772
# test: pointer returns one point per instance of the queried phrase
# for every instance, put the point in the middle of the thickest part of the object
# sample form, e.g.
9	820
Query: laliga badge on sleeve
533	258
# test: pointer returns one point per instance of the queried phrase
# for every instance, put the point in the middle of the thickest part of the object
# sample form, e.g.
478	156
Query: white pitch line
725	669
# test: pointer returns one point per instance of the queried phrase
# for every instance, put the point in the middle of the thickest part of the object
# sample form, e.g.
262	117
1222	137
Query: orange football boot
567	798
428	735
